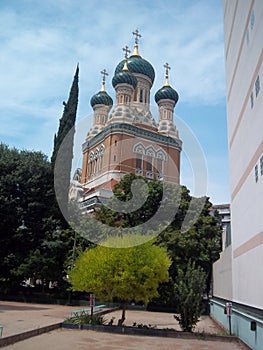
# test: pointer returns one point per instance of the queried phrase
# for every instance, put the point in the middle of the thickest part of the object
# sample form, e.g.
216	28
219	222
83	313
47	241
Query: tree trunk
122	319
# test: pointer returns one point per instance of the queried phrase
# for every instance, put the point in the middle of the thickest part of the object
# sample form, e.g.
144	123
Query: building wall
223	213
243	29
240	324
244	69
119	156
222	269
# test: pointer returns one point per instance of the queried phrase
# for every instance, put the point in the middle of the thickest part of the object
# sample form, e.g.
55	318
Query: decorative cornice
131	129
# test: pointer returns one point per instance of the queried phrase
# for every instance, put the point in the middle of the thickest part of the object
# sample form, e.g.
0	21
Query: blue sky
42	42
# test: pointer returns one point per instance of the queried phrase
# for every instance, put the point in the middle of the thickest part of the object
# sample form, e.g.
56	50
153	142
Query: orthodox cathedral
126	138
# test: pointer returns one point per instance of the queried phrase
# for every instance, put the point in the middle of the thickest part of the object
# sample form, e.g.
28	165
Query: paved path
19	317
83	340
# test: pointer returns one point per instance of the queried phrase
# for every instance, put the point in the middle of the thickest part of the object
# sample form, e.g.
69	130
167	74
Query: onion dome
102	98
166	92
124	77
136	64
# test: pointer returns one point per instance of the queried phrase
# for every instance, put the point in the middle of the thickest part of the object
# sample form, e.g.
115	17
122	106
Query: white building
238	274
223	213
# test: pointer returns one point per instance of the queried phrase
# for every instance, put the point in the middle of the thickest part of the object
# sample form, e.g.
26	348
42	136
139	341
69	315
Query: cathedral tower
128	139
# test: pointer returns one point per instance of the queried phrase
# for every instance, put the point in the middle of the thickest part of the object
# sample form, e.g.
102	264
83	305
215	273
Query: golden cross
167	67
104	73
126	49
137	36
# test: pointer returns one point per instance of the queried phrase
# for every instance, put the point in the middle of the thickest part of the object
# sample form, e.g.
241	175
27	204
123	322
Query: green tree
200	240
142	202
62	156
46	261
32	241
188	288
129	274
200	244
25	199
68	119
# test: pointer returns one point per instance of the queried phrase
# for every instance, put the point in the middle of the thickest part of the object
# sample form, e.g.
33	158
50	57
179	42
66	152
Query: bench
85	311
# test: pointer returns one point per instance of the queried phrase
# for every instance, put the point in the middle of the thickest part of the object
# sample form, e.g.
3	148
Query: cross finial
104	73
167	67
127	51
137	36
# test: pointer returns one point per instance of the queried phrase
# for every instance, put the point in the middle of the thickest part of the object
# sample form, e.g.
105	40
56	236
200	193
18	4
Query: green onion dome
166	93
136	64
101	98
124	77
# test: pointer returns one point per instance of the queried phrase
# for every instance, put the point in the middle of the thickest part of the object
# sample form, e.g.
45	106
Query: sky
43	41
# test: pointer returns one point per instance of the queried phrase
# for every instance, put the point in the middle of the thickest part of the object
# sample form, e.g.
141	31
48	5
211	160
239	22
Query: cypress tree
62	156
68	119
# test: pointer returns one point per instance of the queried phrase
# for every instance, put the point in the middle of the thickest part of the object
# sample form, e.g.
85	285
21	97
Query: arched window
102	149
161	157
139	162
100	160
91	156
95	166
89	168
135	95
97	152
159	165
150	151
141	95
139	148
160	153
149	166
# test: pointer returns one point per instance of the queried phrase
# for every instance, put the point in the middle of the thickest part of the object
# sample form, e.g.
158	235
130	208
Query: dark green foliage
123	193
68	118
62	156
201	243
32	241
193	233
142	202
25	195
188	289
